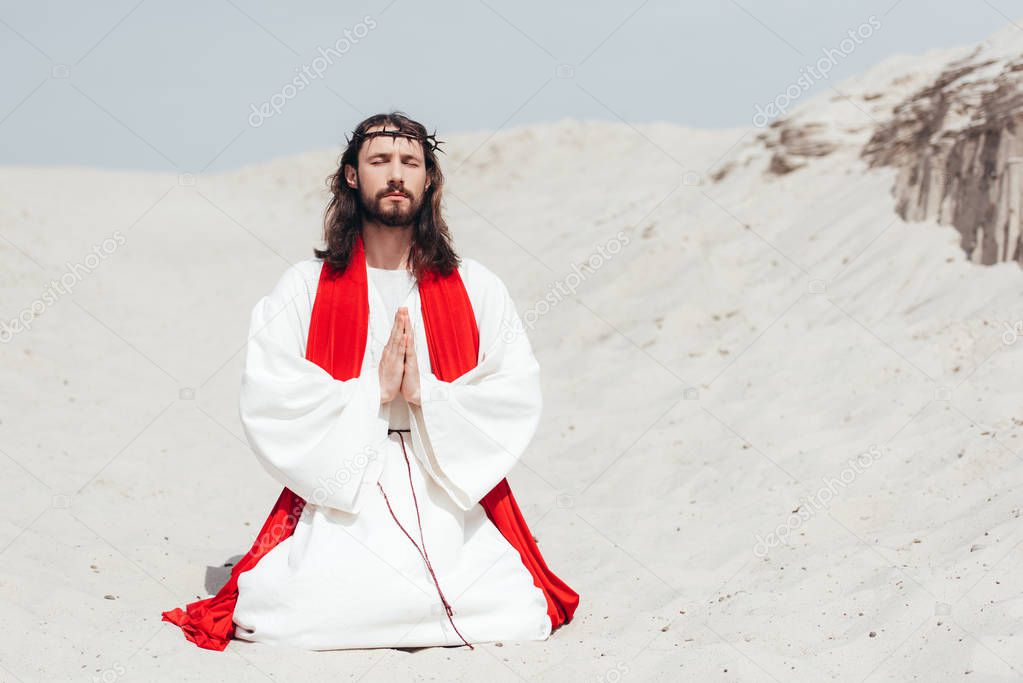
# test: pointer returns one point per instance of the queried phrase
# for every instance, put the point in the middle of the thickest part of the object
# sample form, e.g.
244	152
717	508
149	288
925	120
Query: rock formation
956	144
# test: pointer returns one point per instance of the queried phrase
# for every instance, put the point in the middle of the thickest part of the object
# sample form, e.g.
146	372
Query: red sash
342	304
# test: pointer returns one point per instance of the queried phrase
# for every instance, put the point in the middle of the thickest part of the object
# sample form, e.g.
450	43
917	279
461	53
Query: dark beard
399	215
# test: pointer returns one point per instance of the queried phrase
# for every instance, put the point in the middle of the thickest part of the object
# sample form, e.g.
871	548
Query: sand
781	426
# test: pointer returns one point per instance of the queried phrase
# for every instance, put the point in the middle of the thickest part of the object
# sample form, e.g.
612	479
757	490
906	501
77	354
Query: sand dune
781	434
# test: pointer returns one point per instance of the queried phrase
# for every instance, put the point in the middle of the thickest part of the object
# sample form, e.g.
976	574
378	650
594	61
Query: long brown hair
432	249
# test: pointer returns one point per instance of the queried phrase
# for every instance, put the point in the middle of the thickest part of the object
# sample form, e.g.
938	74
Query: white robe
349	577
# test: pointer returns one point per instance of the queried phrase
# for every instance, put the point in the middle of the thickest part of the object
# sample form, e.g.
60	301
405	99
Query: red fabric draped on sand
342	303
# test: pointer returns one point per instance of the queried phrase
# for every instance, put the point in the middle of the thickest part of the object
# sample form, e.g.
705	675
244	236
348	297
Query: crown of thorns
430	140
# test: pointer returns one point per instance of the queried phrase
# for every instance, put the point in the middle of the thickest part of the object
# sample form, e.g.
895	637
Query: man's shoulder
300	276
479	277
306	270
487	291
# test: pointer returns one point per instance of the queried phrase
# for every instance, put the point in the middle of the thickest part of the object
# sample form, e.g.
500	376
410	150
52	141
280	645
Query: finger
410	352
408	320
395	331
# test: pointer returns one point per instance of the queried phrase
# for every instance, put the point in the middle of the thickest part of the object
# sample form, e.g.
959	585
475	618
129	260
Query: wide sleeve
469	433
320	437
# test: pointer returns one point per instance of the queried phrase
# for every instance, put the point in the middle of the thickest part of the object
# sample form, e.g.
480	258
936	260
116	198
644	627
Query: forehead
387	144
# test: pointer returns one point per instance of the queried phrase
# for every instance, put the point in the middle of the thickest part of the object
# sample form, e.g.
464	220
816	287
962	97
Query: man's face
391	179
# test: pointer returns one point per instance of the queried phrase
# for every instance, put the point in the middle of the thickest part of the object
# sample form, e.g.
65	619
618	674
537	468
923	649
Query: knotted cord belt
422	551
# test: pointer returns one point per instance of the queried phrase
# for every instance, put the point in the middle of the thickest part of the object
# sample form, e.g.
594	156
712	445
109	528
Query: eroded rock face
843	117
948	121
957	145
797	144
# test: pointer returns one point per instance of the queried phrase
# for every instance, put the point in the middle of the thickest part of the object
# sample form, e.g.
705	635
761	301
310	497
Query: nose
396	173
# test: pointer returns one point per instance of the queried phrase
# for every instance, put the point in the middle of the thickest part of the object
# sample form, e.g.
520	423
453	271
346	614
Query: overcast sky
185	86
